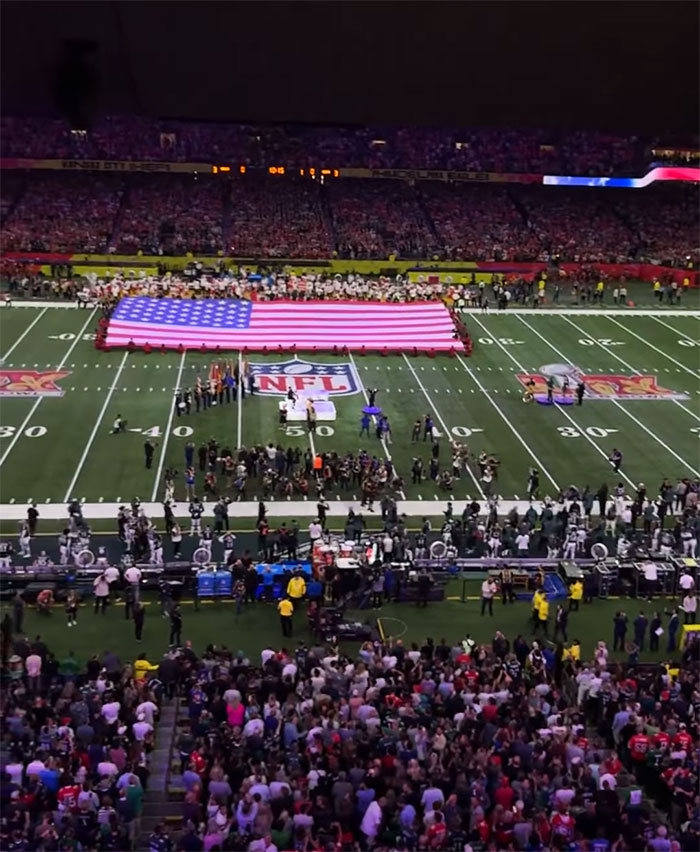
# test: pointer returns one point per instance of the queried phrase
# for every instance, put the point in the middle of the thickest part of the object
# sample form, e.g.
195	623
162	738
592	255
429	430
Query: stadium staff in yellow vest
142	667
543	615
536	598
573	652
296	588
657	288
286	609
575	595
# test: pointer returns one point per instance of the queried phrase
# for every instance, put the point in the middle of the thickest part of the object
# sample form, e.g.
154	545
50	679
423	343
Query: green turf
258	625
69	450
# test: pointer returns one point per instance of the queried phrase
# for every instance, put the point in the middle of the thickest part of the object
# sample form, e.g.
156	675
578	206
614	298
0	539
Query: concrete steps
157	806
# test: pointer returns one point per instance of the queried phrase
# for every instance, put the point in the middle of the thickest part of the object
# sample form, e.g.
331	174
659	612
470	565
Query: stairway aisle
156	807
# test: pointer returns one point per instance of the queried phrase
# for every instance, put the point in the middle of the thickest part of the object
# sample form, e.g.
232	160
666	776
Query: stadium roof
614	65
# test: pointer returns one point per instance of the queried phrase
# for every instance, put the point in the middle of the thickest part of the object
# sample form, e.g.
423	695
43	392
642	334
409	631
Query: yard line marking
22	336
509	424
363	391
21	429
677	331
95	428
693	373
312	443
566	414
631	368
448	434
631	416
159	471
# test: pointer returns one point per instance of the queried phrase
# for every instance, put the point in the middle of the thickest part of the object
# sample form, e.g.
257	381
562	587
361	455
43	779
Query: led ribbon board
660	173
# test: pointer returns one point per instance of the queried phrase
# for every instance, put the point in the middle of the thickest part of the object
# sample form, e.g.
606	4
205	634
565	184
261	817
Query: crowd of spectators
375	219
354	219
277	218
517	744
478	223
666	222
75	744
575	225
167	214
512	745
64	213
472	149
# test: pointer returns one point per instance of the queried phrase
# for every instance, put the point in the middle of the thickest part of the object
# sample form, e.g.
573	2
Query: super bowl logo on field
299	375
599	386
31	383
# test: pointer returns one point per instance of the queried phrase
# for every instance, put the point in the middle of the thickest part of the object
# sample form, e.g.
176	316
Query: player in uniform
616	459
72	608
196	512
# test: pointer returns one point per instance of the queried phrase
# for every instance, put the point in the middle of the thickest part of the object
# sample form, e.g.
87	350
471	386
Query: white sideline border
275	508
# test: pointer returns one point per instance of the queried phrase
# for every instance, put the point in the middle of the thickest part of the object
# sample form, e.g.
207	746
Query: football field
59	397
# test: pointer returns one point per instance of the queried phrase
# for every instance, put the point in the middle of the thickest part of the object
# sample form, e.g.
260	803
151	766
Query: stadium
349	467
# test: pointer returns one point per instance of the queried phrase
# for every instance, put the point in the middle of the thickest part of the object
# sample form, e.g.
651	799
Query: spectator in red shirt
505	794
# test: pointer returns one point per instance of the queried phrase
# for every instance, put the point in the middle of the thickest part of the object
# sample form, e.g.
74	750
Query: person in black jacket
139	616
602	497
640	628
561	621
654	625
619	630
176	626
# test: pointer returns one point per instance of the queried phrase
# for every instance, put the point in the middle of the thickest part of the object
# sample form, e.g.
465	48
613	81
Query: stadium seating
277	218
379	218
287	217
167	214
131	138
64	213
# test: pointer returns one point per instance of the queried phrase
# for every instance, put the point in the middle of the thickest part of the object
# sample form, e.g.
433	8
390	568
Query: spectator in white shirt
686	582
106	767
141	728
149	710
522	542
132	575
33	666
110	711
372	821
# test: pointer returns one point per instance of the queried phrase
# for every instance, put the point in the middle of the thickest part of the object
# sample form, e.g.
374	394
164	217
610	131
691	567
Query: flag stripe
232	323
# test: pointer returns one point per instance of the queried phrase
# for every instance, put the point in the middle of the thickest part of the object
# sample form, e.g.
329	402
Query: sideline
275	508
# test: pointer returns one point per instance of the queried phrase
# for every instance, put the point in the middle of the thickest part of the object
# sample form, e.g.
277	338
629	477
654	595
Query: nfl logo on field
298	375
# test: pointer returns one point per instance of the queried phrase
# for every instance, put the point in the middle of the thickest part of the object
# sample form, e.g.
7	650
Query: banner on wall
441	174
102	165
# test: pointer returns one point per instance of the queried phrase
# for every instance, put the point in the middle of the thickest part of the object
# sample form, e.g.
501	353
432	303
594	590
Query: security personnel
536	601
575	595
543	615
286	609
296	588
574	652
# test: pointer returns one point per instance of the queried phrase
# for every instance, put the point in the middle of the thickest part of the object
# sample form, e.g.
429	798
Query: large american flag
238	323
